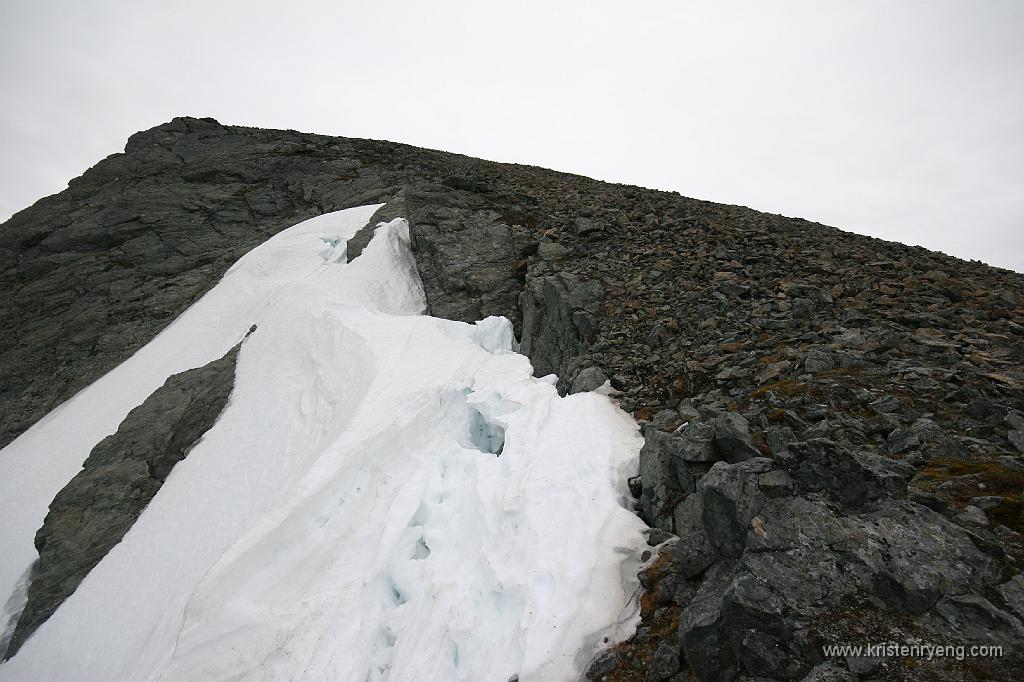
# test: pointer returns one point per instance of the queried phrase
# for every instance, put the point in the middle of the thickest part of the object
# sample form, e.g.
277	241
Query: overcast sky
899	119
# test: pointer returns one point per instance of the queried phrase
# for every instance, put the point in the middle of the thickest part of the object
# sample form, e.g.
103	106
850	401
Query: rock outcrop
125	470
834	424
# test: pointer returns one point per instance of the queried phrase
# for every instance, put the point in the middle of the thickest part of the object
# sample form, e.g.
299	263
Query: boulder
733	438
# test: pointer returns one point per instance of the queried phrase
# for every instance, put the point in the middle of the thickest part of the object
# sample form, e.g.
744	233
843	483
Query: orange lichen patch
1009	513
788	388
658	568
648	604
644	413
962	479
679	386
659	625
634	656
760	443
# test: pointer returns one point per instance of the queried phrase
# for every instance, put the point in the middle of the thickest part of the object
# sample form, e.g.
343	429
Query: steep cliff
834	424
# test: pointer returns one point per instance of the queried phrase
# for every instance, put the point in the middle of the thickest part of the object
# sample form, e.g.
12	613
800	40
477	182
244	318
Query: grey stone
696	443
885	405
665	664
775	483
1012	592
901	440
851	478
665	420
665	476
588	379
730	498
986	502
558	314
467	258
973	516
118	479
909	575
693	554
587	227
779	438
705	645
732	437
973	618
549	250
818	361
605	664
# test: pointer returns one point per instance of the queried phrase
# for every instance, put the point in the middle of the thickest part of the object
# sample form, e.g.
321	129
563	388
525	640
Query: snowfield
387	495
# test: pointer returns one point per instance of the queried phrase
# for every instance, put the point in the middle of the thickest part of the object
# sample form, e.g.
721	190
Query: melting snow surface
387	495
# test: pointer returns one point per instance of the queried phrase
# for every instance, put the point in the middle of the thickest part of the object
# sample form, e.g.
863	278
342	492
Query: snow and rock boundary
386	496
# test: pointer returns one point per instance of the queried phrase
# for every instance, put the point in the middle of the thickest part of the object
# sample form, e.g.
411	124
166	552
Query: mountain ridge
779	367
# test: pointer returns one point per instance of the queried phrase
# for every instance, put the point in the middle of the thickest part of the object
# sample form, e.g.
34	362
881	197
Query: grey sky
899	119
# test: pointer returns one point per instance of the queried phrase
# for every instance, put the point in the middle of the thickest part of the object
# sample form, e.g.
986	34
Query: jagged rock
558	318
548	250
693	554
849	477
779	439
973	516
587	227
706	649
885	405
664	665
665	420
987	502
666	477
796	556
695	442
118	479
467	257
973	618
818	361
605	664
775	483
911	576
1012	592
730	498
588	379
732	437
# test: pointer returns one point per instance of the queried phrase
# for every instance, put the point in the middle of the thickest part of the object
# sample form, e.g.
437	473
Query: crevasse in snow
387	496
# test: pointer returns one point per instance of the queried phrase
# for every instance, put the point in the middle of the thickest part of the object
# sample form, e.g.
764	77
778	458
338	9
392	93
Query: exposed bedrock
91	514
834	424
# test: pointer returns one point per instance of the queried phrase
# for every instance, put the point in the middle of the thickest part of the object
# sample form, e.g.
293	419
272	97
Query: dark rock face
396	207
834	424
119	478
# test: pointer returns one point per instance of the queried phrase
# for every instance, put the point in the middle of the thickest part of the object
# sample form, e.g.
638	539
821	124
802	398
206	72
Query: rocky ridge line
817	404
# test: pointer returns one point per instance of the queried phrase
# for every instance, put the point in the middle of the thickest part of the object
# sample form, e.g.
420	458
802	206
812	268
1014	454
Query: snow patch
387	496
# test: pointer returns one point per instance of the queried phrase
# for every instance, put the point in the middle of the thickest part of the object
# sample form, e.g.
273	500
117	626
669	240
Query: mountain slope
870	390
377	500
